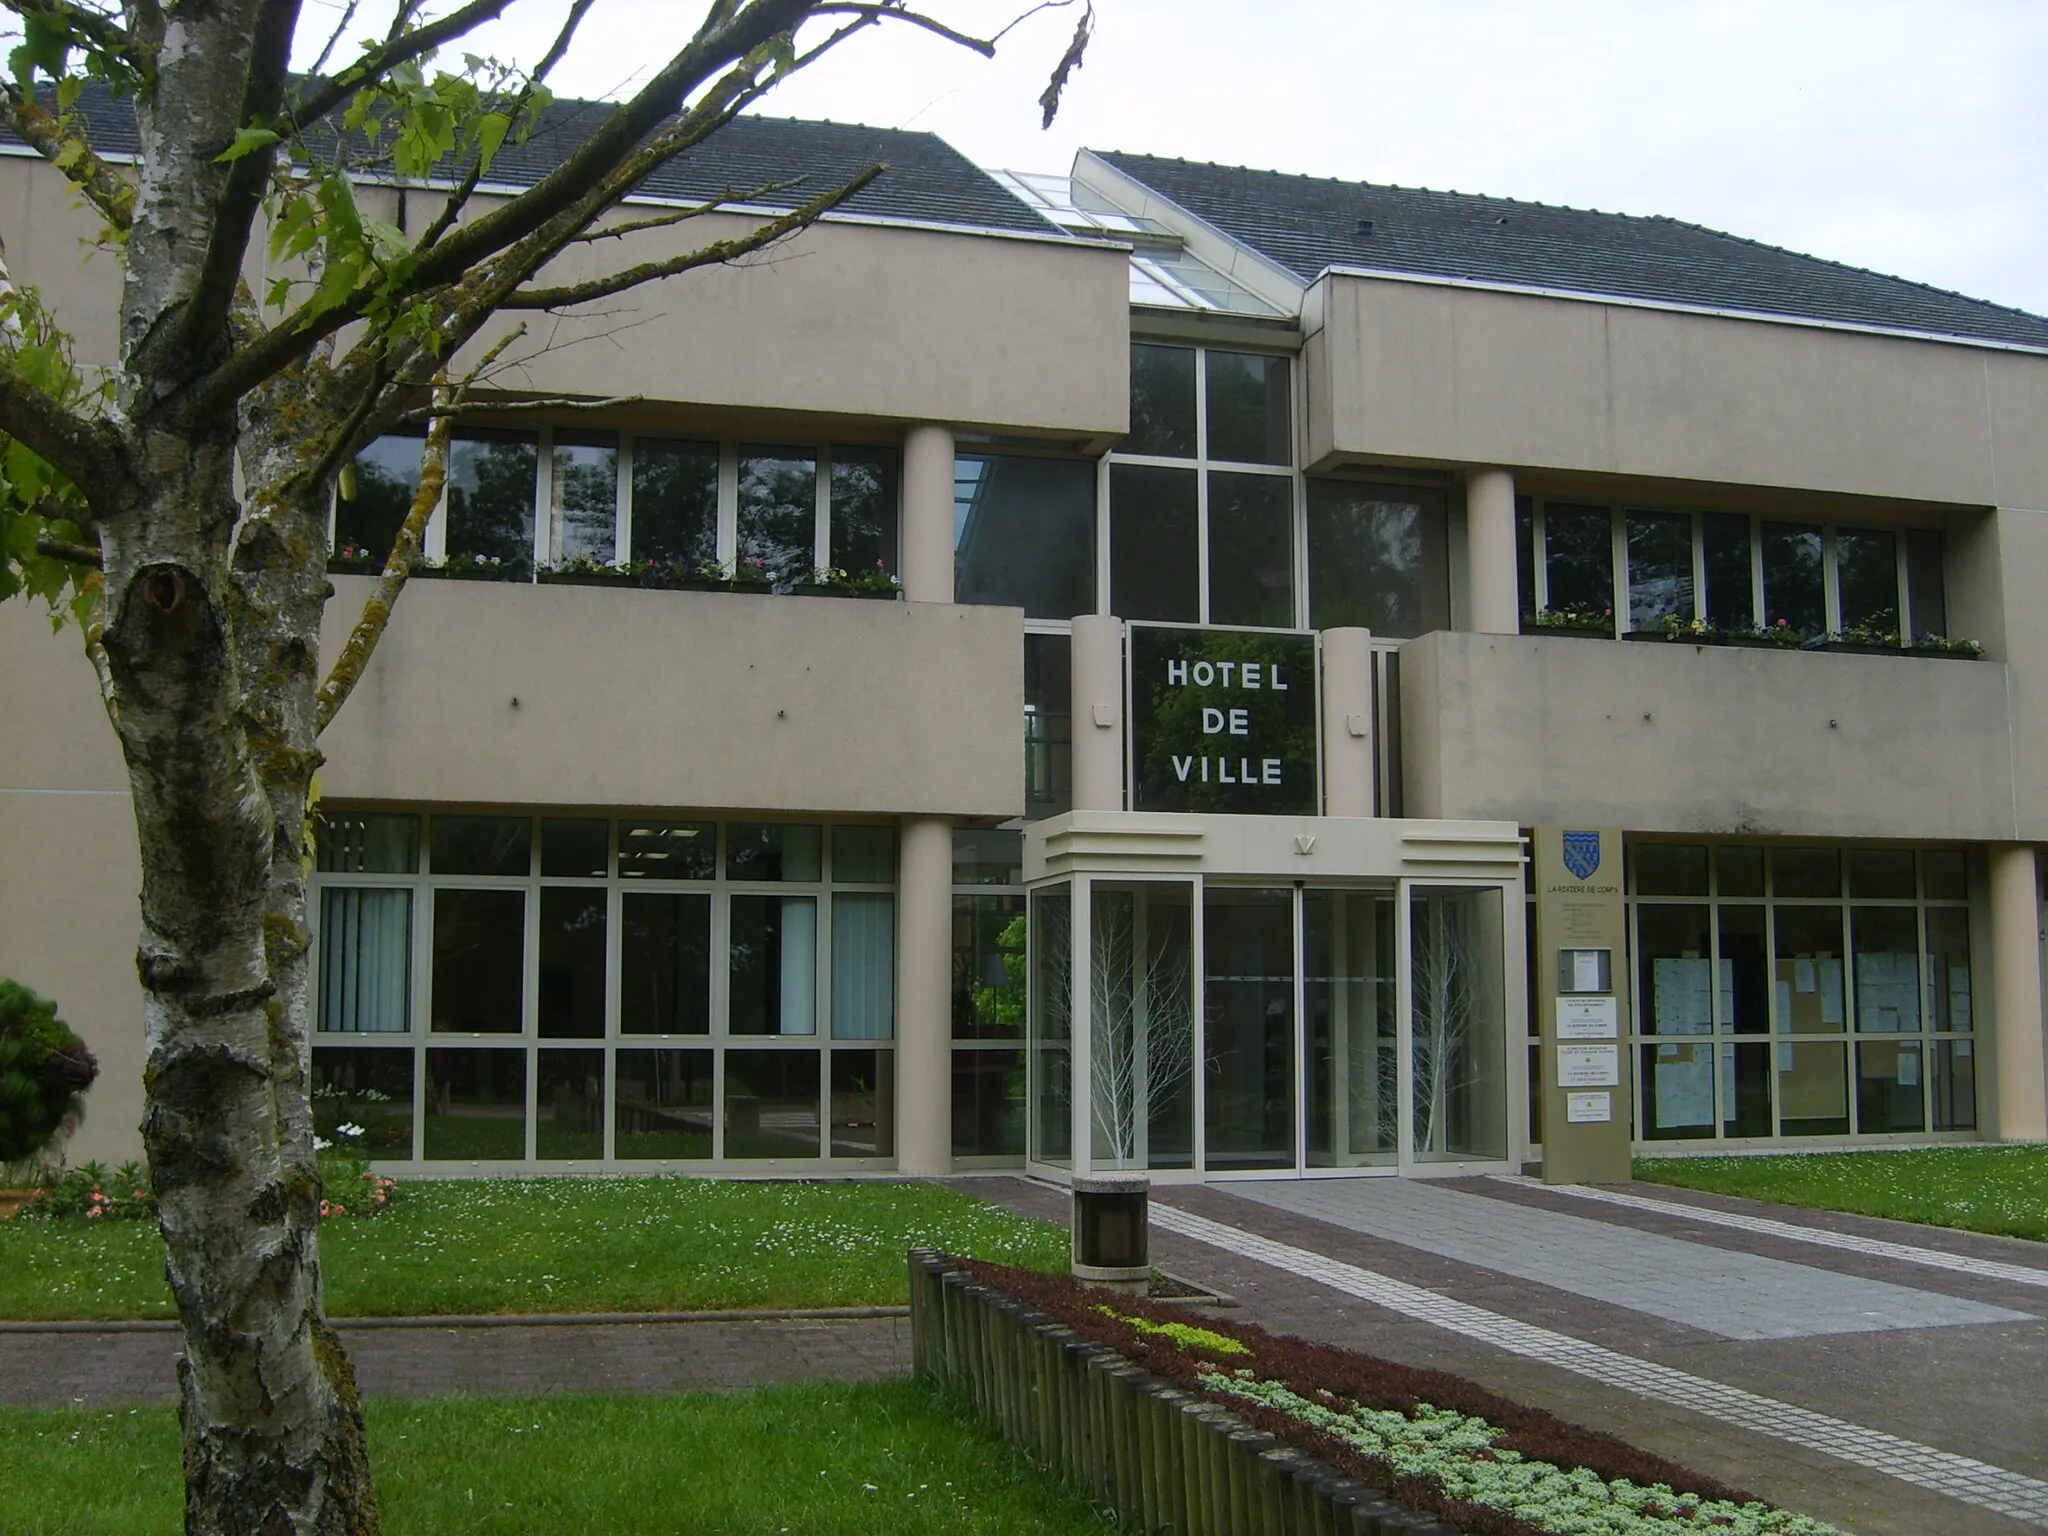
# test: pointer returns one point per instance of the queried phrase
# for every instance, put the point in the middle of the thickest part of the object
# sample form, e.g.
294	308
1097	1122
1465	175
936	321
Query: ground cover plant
1427	1439
816	1458
563	1245
2001	1190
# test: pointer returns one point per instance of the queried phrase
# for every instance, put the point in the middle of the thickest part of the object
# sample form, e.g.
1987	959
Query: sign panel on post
1588	1018
1223	720
1589	1066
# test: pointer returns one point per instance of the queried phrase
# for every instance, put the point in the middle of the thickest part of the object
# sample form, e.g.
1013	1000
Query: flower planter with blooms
1775	636
836	581
1581	619
584	571
1434	1442
750	573
354	560
1955	647
1678	631
472	568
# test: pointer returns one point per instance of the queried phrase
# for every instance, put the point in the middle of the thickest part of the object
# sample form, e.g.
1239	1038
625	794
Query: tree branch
886	12
705	256
94	28
679	215
323	96
64	549
86	452
241	192
104	187
511	407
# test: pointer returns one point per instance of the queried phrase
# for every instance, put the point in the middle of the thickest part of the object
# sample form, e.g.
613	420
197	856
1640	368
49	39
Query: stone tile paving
55	1369
1968	1390
1756	1297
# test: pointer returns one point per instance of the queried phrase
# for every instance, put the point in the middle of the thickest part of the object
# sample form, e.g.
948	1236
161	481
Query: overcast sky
1909	136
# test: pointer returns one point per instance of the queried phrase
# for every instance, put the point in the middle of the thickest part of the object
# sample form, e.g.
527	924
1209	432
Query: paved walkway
1928	1422
56	1369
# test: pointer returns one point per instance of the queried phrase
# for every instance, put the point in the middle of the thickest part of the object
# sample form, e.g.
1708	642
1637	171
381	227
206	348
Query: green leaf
247	142
491	129
45	45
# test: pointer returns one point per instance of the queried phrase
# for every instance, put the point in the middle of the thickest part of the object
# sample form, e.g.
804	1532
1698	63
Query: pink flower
1783	625
94	1212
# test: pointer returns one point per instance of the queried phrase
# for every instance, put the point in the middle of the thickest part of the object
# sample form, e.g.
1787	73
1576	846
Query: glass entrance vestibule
1234	1017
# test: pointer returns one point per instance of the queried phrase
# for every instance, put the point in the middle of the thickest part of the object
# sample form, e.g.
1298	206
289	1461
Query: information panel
1223	720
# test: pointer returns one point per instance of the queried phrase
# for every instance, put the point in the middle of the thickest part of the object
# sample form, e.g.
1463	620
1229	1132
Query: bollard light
1111	1212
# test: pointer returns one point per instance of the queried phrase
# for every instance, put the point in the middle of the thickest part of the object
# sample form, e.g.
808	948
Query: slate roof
1307	224
927	179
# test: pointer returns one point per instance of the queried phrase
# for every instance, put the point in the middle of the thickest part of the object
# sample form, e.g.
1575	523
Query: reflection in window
863	855
1251	550
482	845
1731	598
1248	409
586	496
779	512
771	1104
1154	554
476	1105
1867	579
774	965
1162	401
387	477
1929	603
864	509
370	1089
863	1104
1376	559
367	843
665	1107
668	850
664	963
773	851
1248	1020
492	477
1794	584
675	501
988	1104
571	1096
479	961
1024	534
1578	557
572	951
1048	725
988	966
575	848
1659	568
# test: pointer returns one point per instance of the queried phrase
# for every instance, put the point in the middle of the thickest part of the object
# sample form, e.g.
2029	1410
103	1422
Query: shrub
90	1193
44	1072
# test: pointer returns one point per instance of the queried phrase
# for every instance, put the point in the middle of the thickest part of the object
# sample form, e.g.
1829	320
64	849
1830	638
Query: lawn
563	1245
815	1459
1978	1189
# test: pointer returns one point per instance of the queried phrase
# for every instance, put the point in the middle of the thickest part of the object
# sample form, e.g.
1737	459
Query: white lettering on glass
1240	722
1250	673
1223	771
1276	685
1212	721
1182	767
1271	767
1176	674
1204	673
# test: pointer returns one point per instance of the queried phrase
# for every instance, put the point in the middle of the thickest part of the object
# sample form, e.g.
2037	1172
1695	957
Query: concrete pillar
2016	993
1347	723
928	514
1490	547
1098	681
924	1024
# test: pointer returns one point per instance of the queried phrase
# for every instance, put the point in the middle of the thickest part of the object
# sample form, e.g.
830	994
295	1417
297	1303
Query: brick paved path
53	1369
1973	1389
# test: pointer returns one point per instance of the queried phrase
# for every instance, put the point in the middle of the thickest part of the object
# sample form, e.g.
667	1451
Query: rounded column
1098	699
924	1027
1490	551
1347	723
2016	993
927	566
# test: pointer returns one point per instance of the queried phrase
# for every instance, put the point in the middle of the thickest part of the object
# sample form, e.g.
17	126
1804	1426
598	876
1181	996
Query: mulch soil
1323	1372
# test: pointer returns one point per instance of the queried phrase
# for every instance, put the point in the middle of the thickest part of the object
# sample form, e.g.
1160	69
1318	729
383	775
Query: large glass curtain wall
1184	1025
1789	991
1647	569
507	989
520	498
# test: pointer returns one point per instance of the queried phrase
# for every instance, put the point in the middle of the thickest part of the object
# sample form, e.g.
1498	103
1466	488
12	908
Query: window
989	962
1024	534
1800	991
515	499
593	991
1376	558
1201	491
1738	574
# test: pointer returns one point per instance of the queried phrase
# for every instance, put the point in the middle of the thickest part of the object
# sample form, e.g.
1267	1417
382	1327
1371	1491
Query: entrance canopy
1270	995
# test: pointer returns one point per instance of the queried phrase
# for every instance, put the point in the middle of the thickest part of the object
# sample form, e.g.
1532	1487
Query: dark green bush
44	1072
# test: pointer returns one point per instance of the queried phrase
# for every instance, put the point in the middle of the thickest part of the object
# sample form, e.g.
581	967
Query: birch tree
175	504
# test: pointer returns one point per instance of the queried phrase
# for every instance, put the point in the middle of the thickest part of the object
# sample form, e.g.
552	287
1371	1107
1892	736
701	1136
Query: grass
2002	1190
563	1245
815	1459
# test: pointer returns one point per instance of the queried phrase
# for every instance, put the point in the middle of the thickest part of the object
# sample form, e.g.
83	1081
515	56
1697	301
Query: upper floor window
1638	569
1024	533
516	499
1201	493
1377	558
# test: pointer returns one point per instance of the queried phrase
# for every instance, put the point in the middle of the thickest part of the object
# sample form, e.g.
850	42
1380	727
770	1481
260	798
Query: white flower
321	1144
349	1130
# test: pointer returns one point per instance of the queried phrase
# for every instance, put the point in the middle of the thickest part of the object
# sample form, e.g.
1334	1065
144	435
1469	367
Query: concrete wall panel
1597	732
633	698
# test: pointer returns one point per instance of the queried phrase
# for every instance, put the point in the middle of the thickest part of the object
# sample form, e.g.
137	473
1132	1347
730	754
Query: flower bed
1431	1441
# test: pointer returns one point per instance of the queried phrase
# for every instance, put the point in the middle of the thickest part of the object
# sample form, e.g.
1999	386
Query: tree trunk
273	1431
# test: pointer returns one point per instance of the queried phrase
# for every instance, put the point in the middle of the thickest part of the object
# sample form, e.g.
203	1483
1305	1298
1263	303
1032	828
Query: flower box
819	589
1862	648
584	579
1943	653
338	566
1571	632
470	573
